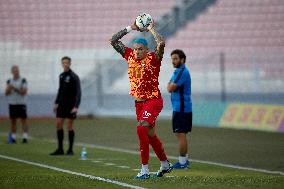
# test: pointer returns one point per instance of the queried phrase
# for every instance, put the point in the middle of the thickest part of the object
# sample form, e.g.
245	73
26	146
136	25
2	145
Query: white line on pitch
109	159
96	161
123	167
109	164
172	157
72	172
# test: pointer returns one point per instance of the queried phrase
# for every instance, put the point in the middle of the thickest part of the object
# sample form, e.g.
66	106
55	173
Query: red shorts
149	110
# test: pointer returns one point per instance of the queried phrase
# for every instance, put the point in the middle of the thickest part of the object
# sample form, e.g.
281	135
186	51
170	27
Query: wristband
128	29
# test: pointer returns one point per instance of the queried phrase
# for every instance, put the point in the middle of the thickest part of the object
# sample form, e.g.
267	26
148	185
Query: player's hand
74	110
11	87
55	108
151	26
135	27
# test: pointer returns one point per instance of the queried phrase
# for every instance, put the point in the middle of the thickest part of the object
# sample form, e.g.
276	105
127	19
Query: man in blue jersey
180	89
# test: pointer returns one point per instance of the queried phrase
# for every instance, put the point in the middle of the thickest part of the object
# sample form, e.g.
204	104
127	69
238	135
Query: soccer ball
143	20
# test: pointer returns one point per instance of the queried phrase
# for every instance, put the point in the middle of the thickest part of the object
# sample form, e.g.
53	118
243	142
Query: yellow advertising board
254	116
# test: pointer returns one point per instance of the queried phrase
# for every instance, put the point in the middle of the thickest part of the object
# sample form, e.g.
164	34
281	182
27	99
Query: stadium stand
71	24
249	33
36	35
230	25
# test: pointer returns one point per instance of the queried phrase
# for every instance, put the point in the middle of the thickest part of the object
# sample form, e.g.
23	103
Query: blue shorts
182	122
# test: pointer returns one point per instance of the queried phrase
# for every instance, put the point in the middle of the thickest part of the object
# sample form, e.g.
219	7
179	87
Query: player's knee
151	132
70	127
181	136
145	123
59	125
13	121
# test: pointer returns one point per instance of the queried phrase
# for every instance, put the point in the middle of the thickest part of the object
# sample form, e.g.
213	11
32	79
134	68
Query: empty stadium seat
41	25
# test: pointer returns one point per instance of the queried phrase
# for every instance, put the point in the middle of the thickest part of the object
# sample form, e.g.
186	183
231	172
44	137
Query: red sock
144	144
158	148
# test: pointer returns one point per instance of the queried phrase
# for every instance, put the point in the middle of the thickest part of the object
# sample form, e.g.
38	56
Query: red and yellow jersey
143	75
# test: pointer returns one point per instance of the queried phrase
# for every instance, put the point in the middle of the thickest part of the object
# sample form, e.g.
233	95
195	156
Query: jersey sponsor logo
146	114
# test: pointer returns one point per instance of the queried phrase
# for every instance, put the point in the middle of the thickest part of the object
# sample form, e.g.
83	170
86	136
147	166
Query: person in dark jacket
66	105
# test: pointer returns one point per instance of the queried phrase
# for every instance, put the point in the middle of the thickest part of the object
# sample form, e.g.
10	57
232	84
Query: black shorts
182	122
64	111
18	111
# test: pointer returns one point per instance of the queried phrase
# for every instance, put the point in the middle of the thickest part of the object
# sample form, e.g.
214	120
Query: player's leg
156	144
24	123
25	129
71	136
150	113
149	116
182	124
142	133
183	151
12	137
60	136
13	120
182	143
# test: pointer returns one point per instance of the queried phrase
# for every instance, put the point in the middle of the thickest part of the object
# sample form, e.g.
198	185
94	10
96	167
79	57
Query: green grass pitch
121	166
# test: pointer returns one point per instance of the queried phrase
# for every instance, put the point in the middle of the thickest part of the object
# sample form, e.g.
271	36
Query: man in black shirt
66	105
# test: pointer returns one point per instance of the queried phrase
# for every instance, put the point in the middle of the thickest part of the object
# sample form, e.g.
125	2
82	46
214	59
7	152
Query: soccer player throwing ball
143	72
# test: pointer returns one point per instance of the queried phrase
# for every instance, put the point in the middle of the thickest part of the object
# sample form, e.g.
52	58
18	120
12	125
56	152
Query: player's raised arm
115	39
159	40
116	43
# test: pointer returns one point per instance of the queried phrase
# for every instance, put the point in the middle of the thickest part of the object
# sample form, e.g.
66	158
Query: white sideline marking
109	164
96	161
123	167
172	157
108	159
72	172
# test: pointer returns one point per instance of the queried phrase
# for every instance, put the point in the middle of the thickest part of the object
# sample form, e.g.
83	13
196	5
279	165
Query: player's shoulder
128	49
128	52
73	74
154	56
9	81
186	74
24	80
182	71
151	53
186	71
